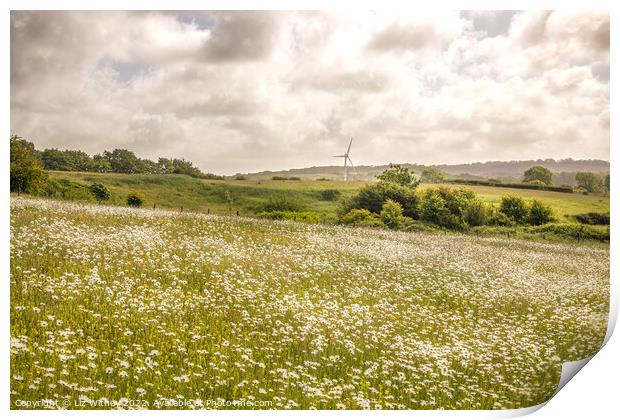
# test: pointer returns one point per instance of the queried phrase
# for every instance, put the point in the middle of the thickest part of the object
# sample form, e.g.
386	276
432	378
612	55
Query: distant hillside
509	171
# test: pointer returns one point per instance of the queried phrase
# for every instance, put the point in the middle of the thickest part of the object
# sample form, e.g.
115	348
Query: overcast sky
248	91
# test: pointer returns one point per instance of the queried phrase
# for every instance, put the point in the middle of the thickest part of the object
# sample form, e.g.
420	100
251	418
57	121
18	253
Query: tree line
28	165
116	161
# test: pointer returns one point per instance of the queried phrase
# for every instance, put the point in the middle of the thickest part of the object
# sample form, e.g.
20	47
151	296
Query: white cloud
243	91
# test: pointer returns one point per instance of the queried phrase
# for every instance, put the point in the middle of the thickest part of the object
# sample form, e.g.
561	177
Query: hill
507	171
173	191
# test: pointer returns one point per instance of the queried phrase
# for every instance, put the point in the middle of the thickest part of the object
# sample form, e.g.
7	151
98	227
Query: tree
398	175
27	174
432	176
101	164
606	183
123	161
589	181
100	192
165	166
539	213
538	173
514	207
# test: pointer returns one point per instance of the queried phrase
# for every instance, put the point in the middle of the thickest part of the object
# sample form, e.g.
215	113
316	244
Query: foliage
361	217
135	200
593	218
100	192
331	194
392	214
497	218
397	174
521	186
606	183
67	190
589	181
240	178
372	196
432	176
298	216
539	213
573	231
514	207
538	173
452	208
279	178
281	202
27	174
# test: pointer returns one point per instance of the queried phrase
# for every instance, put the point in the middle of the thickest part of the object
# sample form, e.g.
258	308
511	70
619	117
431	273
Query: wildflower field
114	304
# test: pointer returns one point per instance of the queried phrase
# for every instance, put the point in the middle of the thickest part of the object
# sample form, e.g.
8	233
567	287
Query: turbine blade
338	156
349	148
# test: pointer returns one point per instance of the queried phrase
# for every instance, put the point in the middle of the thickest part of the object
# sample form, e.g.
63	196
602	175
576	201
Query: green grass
112	303
176	191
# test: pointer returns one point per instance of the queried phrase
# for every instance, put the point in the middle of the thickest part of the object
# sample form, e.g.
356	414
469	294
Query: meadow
112	304
199	195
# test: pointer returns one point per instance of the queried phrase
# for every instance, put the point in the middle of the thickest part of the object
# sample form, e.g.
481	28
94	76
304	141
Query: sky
238	92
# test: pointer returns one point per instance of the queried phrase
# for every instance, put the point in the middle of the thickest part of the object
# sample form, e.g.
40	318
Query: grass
112	304
176	191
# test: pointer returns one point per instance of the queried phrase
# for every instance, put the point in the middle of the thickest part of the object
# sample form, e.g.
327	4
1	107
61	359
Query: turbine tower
347	158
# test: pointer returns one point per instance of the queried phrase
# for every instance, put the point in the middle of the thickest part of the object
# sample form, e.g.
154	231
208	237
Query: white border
593	394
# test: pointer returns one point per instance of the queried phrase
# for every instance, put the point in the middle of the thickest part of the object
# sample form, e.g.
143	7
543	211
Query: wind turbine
347	158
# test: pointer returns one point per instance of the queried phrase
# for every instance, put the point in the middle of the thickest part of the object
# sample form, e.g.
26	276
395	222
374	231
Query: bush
100	192
278	178
539	213
573	231
135	200
281	203
536	182
27	174
452	208
372	196
294	178
476	213
434	209
514	207
240	178
323	179
392	215
497	218
361	217
330	194
593	218
299	216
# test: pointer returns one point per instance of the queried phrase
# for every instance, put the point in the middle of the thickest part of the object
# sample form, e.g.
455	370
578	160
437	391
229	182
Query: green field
176	191
111	304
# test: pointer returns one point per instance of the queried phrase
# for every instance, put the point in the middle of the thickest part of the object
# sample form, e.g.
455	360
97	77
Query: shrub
294	178
323	179
299	216
330	194
240	178
593	218
361	217
100	192
392	214
497	218
539	213
281	203
372	196
278	178
434	209
514	207
536	182
135	200
573	231
476	213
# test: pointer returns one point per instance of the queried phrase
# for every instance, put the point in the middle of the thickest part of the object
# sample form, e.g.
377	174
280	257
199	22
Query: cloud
245	91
